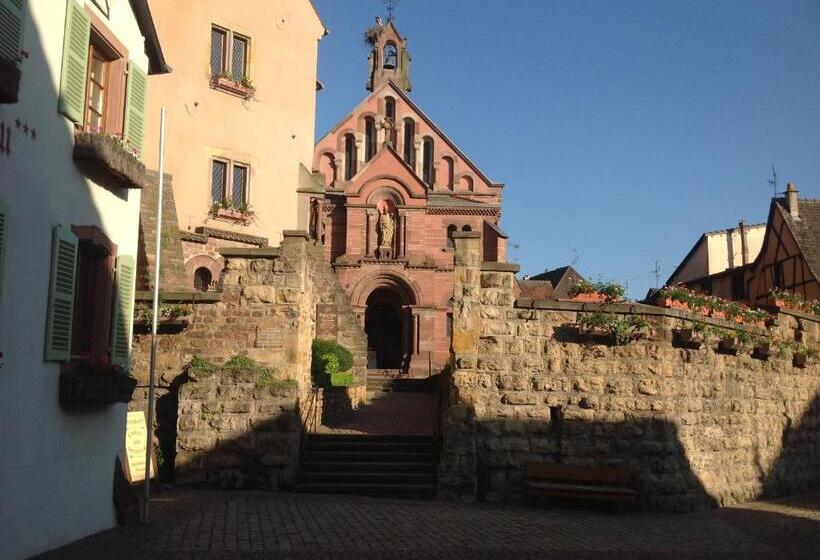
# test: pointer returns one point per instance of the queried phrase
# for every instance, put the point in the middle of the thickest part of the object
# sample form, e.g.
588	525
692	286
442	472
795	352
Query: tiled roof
536	289
561	279
805	229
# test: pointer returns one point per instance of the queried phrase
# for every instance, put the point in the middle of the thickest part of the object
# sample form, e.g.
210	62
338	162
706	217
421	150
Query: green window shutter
123	313
135	98
3	213
61	295
11	29
75	62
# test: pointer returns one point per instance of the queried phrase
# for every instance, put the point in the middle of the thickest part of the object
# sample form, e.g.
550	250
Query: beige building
718	261
241	114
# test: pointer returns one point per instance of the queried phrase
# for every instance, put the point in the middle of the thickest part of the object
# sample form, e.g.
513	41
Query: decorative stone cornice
193	237
232	236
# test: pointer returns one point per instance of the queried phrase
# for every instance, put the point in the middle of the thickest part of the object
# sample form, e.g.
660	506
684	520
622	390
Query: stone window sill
241	218
102	156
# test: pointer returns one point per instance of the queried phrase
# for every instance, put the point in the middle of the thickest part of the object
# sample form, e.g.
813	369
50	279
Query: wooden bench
577	481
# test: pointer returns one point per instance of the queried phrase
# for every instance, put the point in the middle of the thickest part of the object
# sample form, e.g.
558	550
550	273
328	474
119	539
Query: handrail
311	415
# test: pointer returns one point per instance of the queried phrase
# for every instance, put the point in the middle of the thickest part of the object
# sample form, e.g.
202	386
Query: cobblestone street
249	525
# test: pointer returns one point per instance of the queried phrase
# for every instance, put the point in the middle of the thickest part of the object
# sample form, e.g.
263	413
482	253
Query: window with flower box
230	54
230	190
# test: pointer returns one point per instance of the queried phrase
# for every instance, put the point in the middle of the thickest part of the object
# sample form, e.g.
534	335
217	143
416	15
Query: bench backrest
576	473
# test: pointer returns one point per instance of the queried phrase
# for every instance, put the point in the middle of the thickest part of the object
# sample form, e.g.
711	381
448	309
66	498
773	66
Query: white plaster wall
56	468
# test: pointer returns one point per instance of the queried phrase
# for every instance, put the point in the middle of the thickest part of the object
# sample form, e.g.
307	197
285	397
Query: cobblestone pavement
210	525
397	414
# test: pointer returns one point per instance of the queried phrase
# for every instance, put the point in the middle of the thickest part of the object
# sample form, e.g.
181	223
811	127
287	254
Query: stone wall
235	431
265	311
696	427
172	271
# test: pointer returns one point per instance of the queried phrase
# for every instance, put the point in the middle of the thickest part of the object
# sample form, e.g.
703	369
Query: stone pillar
418	158
401	235
380	137
458	469
370	232
359	151
340	169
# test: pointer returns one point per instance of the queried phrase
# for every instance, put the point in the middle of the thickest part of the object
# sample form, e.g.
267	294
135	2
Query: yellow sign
136	441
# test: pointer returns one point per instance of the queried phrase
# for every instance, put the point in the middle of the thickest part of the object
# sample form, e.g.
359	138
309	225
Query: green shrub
328	357
342	378
200	366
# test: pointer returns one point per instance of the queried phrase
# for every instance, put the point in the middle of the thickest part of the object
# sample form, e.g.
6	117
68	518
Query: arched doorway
384	325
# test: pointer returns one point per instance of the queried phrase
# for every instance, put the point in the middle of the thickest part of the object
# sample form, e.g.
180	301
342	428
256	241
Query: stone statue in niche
317	223
386	226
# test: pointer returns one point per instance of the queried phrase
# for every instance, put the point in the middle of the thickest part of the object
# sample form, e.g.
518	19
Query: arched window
409	142
467	183
466	228
350	156
427	173
202	279
448	166
369	138
327	166
451	229
390	113
391	57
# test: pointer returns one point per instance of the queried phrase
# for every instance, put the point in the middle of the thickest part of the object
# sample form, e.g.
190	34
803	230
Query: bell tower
389	59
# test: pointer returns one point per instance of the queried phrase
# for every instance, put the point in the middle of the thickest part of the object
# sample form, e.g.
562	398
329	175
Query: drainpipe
744	246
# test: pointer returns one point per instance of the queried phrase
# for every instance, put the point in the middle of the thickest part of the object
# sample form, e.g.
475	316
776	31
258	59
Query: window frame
115	56
226	80
228	185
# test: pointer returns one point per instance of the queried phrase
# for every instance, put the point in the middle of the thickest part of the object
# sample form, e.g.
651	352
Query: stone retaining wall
696	427
235	431
339	403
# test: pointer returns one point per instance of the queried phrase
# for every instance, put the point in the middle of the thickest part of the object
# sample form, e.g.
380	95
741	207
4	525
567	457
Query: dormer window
391	57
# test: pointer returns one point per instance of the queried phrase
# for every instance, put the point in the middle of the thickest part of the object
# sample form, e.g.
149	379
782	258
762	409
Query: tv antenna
573	257
657	273
391	8
773	180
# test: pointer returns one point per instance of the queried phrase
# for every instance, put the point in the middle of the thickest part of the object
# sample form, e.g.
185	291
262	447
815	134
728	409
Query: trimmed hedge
329	359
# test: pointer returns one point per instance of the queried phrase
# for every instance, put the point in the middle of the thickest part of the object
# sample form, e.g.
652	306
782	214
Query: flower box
86	389
729	345
593	297
762	350
800	360
671	303
689	337
98	154
229	86
232	215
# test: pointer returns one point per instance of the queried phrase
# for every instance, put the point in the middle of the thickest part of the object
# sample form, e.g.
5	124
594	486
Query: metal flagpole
149	447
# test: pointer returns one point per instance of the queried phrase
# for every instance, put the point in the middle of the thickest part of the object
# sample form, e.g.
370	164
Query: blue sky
622	130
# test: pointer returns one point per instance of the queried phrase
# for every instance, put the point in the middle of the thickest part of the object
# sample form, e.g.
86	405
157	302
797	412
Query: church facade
394	190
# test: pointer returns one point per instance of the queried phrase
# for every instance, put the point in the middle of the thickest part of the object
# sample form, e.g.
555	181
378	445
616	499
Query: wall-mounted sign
268	337
136	440
327	321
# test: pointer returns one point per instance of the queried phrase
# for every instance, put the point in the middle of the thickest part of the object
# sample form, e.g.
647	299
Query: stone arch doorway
384	324
388	301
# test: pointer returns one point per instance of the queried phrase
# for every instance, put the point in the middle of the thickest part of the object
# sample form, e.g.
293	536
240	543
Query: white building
69	210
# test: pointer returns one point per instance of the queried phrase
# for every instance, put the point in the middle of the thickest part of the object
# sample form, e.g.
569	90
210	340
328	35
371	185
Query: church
394	190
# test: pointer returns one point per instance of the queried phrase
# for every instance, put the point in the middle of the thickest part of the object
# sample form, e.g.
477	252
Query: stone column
401	235
359	151
370	230
418	158
458	469
340	169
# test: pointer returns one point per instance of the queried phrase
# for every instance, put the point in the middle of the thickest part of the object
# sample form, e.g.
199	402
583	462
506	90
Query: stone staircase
381	381
395	466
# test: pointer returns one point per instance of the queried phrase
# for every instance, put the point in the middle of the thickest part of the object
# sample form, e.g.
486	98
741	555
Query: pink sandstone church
395	189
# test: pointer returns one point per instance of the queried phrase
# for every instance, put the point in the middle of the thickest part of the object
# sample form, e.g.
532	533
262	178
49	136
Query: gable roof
409	175
561	279
398	91
805	230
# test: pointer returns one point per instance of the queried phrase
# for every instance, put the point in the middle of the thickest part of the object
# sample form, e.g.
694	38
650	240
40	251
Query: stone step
370	489
376	446
370	477
371	456
372	466
370	438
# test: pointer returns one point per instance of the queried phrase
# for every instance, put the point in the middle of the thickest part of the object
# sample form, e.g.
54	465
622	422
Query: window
230	184
229	54
427	162
350	156
369	138
409	142
202	279
390	113
101	91
466	228
91	296
449	169
451	229
779	280
11	36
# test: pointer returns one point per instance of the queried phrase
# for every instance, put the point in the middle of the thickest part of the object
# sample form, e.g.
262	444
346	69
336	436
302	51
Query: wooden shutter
11	29
123	312
135	97
3	213
75	62
61	295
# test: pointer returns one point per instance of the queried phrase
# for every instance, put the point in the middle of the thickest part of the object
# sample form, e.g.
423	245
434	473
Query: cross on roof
391	7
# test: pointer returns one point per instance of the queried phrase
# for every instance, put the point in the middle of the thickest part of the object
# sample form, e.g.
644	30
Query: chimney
791	200
744	246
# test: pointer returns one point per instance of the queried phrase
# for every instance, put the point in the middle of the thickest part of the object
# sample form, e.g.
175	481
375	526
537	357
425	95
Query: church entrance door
385	328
